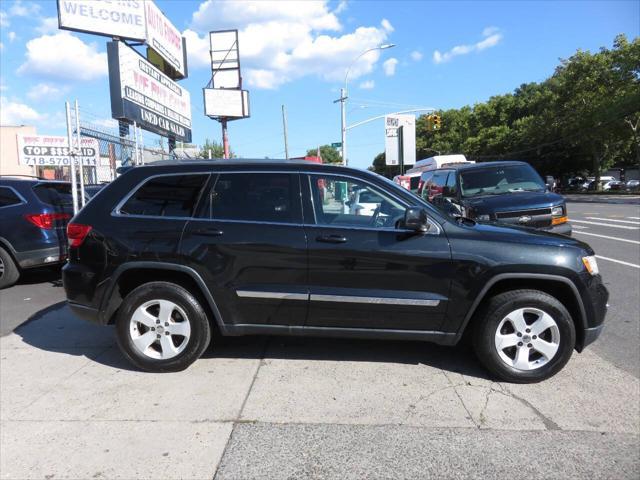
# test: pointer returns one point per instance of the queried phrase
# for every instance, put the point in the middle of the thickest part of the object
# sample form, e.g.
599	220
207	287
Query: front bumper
562	229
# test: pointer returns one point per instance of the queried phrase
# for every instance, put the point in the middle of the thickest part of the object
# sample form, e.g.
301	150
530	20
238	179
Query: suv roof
470	166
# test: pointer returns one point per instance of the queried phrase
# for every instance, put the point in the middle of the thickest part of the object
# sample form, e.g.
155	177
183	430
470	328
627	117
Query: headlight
557	211
483	218
591	265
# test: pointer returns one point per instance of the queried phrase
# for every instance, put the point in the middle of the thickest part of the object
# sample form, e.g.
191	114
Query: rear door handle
209	233
331	239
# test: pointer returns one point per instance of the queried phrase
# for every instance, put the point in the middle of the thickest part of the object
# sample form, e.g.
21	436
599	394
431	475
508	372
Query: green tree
327	152
217	150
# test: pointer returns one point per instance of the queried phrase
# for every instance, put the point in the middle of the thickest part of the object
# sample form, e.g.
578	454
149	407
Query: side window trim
21	199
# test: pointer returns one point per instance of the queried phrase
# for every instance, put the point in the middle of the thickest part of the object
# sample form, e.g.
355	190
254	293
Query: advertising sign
226	103
225	59
400	139
164	38
129	19
47	150
141	93
123	19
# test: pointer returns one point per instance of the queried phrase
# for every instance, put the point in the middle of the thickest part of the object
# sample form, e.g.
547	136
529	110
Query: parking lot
276	407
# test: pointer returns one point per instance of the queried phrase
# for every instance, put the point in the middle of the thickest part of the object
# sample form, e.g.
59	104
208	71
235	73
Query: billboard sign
129	19
226	103
225	59
400	139
141	93
114	19
47	150
165	39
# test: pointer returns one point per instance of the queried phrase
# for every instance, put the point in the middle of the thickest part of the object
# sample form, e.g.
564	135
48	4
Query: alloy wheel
160	329
527	338
1	267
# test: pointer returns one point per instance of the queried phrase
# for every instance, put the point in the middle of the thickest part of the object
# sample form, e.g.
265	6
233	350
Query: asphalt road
258	407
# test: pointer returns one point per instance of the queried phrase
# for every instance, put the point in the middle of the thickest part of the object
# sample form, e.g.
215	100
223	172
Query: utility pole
284	126
79	150
225	138
343	108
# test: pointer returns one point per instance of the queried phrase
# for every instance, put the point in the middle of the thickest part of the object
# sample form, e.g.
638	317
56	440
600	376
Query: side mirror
415	218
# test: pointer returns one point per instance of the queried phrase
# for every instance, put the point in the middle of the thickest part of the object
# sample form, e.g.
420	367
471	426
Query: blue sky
448	54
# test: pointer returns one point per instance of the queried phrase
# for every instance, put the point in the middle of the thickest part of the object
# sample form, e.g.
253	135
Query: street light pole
343	99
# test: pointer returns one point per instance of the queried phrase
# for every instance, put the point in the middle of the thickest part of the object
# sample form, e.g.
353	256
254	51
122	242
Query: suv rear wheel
524	336
161	327
9	272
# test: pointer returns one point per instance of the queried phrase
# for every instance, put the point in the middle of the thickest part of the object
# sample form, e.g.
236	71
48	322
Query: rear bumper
89	314
41	257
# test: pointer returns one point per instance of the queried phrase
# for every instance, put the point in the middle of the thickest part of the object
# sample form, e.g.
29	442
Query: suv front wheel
524	336
161	327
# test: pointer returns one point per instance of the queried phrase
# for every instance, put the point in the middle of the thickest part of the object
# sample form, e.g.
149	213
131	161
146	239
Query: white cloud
24	9
45	91
11	36
389	67
4	19
416	56
342	6
386	25
1	46
63	56
47	25
283	41
16	113
492	38
367	84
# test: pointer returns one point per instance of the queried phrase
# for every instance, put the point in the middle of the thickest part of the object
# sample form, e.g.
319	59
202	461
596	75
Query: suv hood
509	202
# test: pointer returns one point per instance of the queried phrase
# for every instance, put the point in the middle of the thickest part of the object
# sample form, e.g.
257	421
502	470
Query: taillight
46	220
76	233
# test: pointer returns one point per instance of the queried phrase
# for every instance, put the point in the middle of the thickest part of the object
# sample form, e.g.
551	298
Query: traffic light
437	122
429	122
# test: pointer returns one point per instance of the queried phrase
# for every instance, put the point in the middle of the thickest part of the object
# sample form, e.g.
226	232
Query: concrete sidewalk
70	407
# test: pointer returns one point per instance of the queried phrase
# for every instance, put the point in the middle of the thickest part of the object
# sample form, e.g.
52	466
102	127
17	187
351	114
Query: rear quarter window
54	194
166	196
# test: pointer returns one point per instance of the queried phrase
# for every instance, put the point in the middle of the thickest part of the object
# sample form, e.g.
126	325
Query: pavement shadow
57	329
32	276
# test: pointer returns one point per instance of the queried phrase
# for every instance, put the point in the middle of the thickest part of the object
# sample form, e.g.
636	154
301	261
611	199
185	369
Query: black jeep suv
504	192
170	252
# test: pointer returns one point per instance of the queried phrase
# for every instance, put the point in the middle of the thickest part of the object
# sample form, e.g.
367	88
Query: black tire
9	272
492	313
199	337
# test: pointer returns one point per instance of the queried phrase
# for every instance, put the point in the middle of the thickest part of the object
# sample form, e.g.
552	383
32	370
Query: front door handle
209	233
331	239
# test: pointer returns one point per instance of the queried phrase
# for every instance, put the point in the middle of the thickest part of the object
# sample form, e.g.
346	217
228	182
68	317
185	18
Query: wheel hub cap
160	329
527	338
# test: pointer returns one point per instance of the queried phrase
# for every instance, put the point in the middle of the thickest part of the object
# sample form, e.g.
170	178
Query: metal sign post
78	149
224	99
72	163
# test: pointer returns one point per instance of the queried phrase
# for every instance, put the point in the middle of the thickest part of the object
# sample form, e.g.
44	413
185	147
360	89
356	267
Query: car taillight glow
46	220
76	233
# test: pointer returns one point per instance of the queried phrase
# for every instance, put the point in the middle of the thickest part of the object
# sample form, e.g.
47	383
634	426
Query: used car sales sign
141	93
45	150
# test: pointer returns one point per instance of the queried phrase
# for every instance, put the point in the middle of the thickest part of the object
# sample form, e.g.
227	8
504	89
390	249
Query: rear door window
255	197
166	196
438	181
8	197
54	194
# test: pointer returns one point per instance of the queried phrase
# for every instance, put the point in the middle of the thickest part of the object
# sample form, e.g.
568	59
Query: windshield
499	180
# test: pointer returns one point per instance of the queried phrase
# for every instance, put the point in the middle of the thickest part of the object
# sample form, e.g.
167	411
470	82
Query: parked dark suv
170	252
504	192
33	218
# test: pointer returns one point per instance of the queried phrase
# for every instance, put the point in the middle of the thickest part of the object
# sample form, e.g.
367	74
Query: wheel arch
131	275
557	286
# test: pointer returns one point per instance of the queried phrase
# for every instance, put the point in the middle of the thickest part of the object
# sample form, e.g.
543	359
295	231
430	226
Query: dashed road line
608	237
618	261
612	220
580	227
634	218
626	227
